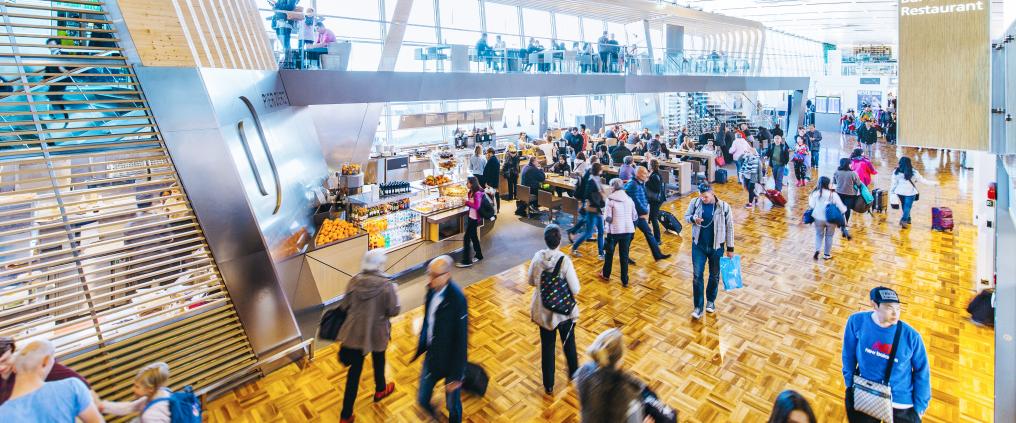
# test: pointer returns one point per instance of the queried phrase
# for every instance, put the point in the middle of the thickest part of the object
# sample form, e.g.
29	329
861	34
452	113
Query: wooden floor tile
781	331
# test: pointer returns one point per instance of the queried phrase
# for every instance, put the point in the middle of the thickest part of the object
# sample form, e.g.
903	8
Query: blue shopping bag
865	192
730	270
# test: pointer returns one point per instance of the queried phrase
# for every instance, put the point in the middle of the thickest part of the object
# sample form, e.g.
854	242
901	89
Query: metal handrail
46	82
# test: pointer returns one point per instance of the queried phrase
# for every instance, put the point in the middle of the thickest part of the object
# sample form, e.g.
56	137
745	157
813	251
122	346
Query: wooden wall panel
944	75
226	34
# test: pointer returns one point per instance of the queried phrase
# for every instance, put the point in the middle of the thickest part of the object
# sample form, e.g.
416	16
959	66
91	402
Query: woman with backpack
370	302
847	185
152	397
656	194
594	197
471	241
819	201
553	308
510	170
860	164
904	188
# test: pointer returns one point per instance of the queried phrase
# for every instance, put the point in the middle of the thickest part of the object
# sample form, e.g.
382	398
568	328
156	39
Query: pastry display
436	180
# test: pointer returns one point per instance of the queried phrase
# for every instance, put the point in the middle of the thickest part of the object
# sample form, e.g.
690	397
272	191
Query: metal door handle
250	158
268	153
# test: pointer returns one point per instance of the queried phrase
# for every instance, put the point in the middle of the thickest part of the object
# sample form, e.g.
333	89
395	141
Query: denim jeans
906	203
580	222
593	221
643	226
778	172
453	400
547	343
824	233
353	379
613	240
814	158
699	257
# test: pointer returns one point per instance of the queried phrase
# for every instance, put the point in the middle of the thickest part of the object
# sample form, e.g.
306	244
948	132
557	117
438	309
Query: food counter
412	228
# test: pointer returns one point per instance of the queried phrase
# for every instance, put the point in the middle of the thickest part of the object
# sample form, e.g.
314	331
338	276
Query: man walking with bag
712	234
443	339
885	365
778	154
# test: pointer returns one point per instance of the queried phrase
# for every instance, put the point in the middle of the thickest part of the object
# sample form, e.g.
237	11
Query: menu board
450	118
944	74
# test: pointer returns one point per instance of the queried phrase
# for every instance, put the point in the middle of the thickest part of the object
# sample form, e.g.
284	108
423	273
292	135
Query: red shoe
349	420
378	396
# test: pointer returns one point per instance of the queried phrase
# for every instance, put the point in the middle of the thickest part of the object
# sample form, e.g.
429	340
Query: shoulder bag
876	398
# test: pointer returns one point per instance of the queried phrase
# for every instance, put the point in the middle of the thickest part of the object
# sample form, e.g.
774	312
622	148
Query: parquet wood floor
783	330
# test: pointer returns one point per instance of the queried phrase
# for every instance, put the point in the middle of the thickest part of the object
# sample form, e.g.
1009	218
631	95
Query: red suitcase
776	197
941	219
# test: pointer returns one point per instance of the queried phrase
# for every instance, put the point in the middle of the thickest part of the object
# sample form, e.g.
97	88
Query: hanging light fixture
505	124
555	118
518	123
532	117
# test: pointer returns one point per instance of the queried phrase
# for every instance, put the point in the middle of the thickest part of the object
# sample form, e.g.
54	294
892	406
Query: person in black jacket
510	169
619	153
777	130
656	193
592	195
492	175
533	177
868	136
444	339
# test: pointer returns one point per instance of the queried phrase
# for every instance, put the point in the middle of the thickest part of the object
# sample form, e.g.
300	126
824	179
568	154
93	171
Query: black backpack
982	309
580	186
487	210
554	291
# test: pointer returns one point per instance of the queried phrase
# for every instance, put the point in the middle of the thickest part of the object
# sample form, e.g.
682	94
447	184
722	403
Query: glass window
353	28
363	9
618	32
422	12
502	19
573	107
536	23
591	29
456	36
568	28
365	57
420	34
461	14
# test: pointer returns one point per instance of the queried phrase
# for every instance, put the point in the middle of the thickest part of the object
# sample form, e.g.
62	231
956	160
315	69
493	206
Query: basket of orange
332	230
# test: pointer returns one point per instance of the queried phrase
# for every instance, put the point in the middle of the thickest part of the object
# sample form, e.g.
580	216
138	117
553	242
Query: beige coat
370	302
546	260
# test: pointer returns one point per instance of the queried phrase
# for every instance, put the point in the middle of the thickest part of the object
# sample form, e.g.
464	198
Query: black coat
867	136
492	173
533	177
619	153
446	355
654	189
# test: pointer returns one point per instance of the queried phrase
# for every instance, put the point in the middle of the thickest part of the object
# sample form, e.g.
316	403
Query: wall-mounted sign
466	118
868	98
871	81
944	74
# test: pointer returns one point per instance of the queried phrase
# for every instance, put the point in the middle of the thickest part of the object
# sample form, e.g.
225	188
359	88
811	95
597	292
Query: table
709	158
560	181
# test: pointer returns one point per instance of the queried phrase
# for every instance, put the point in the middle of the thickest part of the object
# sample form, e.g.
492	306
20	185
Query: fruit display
436	180
332	230
388	189
392	229
374	226
362	213
350	169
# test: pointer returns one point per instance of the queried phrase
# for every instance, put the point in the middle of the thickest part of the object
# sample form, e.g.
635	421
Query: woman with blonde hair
152	397
607	394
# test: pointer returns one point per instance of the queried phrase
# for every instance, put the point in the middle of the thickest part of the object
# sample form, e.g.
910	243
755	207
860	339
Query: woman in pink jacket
620	215
862	166
472	240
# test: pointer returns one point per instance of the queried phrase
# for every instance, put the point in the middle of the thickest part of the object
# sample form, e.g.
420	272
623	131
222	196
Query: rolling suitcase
670	222
941	219
721	176
776	197
880	200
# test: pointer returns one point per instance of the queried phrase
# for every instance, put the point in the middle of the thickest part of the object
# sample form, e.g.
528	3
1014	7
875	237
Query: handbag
834	215
658	410
876	398
720	161
918	195
730	272
331	322
808	218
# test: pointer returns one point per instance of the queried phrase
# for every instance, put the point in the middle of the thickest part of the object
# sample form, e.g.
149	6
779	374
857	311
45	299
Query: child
800	161
149	386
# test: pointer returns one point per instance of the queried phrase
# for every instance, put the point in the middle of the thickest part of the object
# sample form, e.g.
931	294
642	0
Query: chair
570	205
666	176
546	199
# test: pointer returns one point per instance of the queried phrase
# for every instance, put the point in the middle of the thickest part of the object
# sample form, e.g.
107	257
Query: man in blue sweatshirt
867	344
636	189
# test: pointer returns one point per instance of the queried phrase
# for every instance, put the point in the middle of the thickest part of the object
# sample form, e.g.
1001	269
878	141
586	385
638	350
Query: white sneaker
463	265
710	307
697	314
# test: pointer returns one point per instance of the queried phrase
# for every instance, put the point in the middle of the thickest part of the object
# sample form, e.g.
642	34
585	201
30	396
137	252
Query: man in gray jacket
712	235
813	138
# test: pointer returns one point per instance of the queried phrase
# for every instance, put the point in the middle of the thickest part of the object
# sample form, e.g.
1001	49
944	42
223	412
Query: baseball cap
704	187
881	295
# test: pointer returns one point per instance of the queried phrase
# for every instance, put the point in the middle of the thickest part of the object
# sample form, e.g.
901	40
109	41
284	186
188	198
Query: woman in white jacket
905	189
820	198
552	323
738	149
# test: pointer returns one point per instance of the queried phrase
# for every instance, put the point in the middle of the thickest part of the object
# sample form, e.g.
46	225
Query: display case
392	230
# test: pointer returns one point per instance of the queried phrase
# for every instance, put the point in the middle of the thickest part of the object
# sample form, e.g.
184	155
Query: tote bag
730	270
876	398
